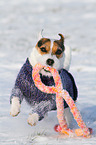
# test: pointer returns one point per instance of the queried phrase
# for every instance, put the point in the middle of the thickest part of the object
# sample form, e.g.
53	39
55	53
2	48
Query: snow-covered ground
20	23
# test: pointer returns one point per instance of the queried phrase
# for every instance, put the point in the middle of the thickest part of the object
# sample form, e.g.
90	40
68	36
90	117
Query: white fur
15	106
67	59
52	40
33	119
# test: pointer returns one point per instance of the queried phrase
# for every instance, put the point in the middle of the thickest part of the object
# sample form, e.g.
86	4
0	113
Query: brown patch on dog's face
58	47
57	50
43	46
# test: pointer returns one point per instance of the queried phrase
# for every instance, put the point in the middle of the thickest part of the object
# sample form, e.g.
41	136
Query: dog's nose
50	62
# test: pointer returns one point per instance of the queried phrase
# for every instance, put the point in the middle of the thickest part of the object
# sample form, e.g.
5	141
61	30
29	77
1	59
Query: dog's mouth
45	72
48	81
46	77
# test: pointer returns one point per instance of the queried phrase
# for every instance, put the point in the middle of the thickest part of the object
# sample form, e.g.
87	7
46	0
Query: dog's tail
67	59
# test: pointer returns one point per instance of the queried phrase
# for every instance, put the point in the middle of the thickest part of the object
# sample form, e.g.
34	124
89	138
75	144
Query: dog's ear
60	42
62	39
40	35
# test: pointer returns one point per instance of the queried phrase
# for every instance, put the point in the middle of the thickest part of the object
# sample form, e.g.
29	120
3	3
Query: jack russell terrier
52	53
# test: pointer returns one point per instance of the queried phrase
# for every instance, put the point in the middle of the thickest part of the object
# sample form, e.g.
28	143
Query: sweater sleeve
21	82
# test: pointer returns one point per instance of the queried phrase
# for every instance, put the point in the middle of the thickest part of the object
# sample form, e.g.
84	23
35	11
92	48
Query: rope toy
60	95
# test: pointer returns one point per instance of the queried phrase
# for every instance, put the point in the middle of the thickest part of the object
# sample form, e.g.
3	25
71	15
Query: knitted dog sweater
41	102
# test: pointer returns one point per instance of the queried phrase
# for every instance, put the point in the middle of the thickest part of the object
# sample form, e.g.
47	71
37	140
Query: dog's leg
39	111
15	100
33	119
15	106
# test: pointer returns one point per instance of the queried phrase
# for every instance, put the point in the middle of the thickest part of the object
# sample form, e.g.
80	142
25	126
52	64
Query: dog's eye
58	52
43	49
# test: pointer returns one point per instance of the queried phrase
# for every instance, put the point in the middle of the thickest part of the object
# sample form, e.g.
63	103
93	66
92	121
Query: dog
48	52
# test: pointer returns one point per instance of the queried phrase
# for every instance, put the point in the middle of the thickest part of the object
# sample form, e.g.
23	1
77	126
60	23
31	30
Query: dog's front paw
33	119
15	107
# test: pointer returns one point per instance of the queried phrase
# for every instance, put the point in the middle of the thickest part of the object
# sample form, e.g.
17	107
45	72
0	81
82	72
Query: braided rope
60	95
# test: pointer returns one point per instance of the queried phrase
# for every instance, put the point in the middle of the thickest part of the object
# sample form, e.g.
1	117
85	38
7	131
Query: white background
20	23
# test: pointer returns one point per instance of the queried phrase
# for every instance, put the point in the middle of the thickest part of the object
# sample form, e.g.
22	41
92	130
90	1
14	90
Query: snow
20	23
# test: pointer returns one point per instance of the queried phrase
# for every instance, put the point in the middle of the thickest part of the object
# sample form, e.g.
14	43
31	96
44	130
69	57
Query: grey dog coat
41	102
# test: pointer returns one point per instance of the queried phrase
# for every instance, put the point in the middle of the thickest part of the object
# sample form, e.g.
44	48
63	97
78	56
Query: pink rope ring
60	95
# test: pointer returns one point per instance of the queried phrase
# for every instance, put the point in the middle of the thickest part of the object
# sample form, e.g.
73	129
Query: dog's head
49	52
